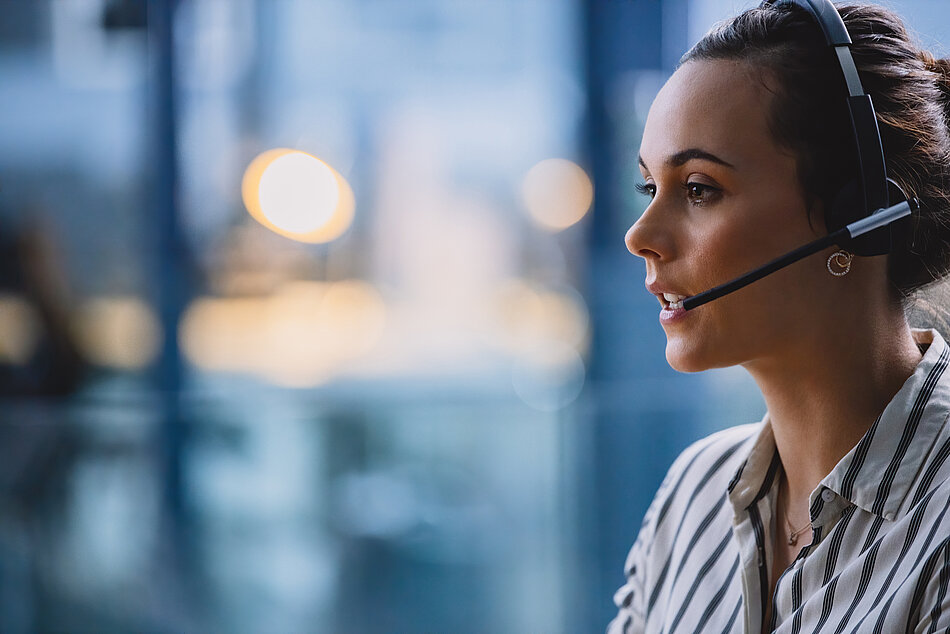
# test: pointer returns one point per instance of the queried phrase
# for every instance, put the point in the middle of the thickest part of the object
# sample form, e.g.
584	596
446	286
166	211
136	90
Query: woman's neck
824	393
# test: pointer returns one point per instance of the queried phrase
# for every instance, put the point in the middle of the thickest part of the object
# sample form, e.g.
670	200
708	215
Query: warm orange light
223	333
301	336
19	329
557	193
531	318
119	332
297	195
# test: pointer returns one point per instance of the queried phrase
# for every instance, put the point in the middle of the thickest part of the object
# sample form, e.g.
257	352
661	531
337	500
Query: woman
831	514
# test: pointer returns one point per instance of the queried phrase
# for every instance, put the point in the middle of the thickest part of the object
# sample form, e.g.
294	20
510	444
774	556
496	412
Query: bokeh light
301	336
557	193
19	330
220	333
529	317
119	332
297	196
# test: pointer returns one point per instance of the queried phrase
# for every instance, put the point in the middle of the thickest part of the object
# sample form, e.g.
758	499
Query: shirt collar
755	475
878	472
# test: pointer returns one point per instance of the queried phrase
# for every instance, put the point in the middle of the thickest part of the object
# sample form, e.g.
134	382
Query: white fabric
880	554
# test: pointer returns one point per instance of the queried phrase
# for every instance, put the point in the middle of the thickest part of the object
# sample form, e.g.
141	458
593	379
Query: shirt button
827	495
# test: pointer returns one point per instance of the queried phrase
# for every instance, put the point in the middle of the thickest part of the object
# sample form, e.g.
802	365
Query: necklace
792	533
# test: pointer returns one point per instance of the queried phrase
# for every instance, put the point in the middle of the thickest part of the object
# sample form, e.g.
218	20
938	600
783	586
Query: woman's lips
672	315
672	310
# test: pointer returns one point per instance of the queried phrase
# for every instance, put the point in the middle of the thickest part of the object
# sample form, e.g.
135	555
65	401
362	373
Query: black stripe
932	469
709	473
866	572
910	428
735	478
717	598
912	529
816	533
942	593
879	624
760	534
701	529
627	600
672	495
797	579
860	453
732	619
817	505
827	603
773	623
769	477
916	565
707	566
759	531
773	620
797	602
760	547
834	546
872	533
669	501
926	575
831	563
655	594
882	615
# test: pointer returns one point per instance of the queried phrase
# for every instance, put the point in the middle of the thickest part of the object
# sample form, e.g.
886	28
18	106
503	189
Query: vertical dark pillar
631	439
169	257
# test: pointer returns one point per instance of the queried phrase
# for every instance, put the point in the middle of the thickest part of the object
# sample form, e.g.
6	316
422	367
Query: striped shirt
879	560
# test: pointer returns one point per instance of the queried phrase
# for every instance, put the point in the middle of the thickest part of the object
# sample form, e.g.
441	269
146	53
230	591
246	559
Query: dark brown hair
911	95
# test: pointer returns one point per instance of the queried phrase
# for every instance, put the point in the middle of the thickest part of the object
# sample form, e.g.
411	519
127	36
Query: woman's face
726	199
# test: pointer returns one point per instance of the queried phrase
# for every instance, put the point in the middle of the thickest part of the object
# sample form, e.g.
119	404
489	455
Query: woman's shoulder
705	468
726	447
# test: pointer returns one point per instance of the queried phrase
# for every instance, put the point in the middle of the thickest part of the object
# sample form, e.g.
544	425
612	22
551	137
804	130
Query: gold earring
842	261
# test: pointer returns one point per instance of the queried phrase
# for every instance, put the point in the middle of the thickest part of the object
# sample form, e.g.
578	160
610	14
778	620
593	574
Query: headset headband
867	137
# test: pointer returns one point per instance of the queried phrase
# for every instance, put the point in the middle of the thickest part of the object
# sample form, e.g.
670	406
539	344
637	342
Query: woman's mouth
673	301
673	311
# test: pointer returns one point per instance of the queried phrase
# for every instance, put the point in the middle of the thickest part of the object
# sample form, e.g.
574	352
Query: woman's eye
699	193
647	189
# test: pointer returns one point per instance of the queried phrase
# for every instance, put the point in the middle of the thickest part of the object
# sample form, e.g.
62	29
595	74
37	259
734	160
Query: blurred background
316	316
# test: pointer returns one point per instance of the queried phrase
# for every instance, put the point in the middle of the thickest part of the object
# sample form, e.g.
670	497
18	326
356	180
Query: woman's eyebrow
682	157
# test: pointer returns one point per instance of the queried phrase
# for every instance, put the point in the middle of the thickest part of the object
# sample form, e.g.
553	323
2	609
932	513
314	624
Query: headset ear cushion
849	206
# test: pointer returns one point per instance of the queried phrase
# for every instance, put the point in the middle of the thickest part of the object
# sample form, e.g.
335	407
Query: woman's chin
685	358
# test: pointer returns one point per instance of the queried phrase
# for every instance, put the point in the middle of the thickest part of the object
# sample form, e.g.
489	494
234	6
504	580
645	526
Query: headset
864	217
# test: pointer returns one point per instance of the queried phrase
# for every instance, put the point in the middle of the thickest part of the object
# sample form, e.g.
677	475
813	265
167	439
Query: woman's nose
648	238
